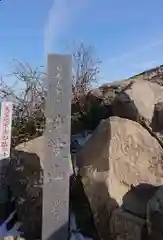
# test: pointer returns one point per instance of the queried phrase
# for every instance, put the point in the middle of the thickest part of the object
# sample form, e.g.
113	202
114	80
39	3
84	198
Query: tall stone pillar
57	146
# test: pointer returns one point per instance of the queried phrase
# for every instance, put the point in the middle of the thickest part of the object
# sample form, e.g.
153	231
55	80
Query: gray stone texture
57	147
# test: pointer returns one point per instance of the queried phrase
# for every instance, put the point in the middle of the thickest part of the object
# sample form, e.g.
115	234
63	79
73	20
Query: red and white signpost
5	144
5	129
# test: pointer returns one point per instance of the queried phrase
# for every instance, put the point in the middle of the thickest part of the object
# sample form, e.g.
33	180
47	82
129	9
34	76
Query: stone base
125	226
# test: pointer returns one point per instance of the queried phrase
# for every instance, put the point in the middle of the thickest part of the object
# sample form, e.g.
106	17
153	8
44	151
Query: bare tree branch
85	69
28	116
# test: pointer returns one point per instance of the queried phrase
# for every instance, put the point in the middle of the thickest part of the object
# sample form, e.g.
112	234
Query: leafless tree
85	68
28	111
85	74
29	101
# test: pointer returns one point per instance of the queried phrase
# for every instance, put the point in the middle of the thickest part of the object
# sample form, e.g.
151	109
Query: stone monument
55	215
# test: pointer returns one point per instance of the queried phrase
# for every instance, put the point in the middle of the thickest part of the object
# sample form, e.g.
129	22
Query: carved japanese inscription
57	145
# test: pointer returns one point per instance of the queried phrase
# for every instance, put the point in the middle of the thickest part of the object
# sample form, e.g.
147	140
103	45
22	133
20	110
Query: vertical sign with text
57	148
5	129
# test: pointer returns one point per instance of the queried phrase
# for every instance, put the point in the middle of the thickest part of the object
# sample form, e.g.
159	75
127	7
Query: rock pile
124	153
126	149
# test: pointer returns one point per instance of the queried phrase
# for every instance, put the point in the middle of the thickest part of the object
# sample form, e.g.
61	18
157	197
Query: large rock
141	100
103	97
155	215
136	199
125	226
25	175
119	153
153	75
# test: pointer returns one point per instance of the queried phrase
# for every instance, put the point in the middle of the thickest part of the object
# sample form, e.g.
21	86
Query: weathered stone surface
119	153
57	148
25	175
157	121
125	226
118	85
153	75
138	100
105	94
95	93
33	146
155	215
136	199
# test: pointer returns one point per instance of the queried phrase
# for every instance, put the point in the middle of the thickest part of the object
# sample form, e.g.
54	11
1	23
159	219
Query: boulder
25	175
103	97
117	85
155	215
153	75
120	153
33	146
125	226
95	93
139	101
135	201
157	121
